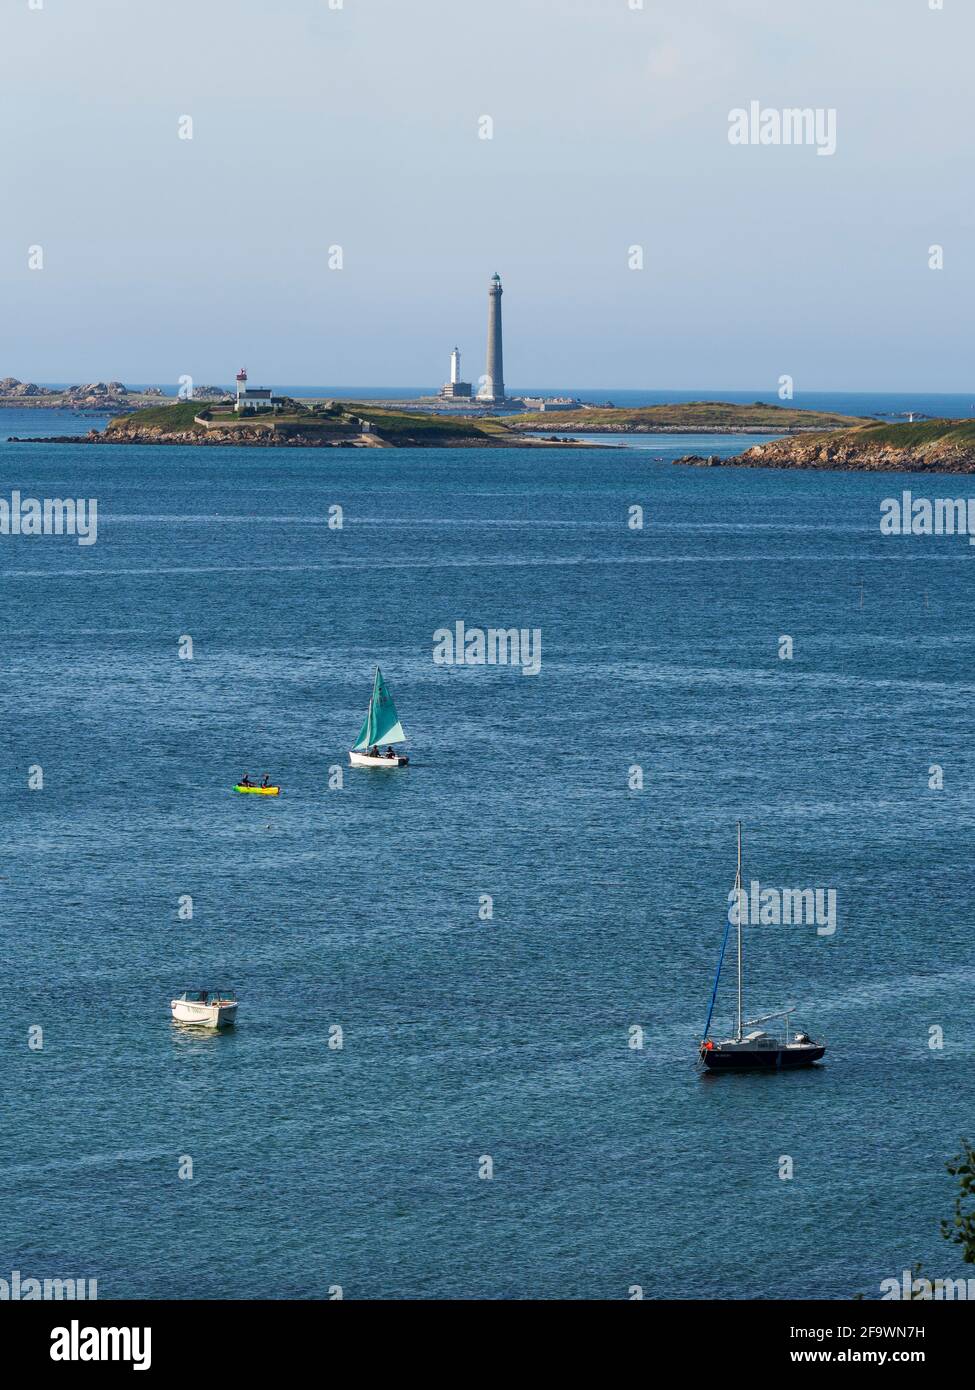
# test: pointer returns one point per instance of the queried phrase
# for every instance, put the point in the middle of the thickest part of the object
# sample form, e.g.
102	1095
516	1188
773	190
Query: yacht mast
738	894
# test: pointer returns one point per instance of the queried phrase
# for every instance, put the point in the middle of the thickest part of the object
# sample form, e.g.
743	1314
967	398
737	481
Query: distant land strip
96	396
358	424
692	417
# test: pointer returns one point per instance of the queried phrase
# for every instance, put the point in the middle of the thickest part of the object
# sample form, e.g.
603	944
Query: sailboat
758	1048
381	726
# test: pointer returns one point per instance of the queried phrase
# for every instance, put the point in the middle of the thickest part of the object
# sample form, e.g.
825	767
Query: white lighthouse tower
455	389
241	385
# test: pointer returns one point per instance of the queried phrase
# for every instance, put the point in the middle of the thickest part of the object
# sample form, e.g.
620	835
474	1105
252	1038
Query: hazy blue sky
358	127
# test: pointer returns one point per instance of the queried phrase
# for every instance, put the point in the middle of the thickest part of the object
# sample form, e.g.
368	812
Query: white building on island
252	398
455	389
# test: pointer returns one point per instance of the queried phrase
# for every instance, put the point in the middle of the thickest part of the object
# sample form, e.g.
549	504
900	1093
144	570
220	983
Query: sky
359	124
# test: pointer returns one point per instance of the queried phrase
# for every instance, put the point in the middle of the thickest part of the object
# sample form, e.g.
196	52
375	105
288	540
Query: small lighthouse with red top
254	398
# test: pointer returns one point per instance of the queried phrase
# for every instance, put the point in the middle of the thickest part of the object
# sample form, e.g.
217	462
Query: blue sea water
613	1166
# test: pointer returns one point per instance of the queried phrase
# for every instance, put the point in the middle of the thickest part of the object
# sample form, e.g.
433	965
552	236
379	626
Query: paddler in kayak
264	780
245	781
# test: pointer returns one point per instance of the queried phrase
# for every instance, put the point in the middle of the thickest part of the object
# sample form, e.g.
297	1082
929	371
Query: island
97	396
691	417
928	446
309	424
363	424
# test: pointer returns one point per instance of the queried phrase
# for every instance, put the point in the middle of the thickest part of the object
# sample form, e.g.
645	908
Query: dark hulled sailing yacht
757	1048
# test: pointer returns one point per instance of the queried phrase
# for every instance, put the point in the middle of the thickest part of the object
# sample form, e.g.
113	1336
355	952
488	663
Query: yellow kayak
258	791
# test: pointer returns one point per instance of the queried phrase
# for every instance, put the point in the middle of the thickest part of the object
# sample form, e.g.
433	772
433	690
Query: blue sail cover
717	974
382	722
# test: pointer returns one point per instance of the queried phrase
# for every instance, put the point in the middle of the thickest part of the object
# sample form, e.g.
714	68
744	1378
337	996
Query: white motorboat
208	1008
381	726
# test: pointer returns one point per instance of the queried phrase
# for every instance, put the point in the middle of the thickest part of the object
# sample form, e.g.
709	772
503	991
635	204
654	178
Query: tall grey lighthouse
493	388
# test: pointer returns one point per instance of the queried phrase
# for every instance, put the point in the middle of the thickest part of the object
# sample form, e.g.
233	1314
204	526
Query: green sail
382	722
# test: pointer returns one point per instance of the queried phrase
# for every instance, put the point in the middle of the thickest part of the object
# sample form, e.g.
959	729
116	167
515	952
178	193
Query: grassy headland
309	423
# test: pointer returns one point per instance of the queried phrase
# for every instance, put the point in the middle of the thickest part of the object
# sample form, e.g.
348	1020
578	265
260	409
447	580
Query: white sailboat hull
367	760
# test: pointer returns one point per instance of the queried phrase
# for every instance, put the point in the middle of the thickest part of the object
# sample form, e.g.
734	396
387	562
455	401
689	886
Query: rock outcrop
932	446
95	395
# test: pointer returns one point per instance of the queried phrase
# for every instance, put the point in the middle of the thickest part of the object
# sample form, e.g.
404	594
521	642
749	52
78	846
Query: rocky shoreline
198	441
265	439
95	397
937	446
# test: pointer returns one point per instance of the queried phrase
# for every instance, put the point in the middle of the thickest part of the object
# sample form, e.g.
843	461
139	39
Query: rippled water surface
613	1166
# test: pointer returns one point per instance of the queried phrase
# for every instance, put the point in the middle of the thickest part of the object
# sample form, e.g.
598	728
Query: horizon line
530	390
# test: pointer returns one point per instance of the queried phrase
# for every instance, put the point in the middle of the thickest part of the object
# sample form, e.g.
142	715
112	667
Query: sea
472	991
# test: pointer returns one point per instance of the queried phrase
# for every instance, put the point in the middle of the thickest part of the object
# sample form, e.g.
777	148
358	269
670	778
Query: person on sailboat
381	722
